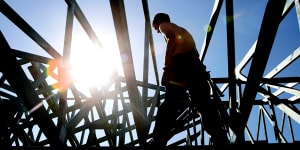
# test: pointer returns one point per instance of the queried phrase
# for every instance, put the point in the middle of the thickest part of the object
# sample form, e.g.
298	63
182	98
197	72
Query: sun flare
91	65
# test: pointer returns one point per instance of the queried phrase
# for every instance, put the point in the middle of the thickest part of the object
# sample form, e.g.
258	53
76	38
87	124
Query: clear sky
48	18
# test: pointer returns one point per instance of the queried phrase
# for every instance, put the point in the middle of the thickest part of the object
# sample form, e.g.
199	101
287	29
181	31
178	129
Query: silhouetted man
184	74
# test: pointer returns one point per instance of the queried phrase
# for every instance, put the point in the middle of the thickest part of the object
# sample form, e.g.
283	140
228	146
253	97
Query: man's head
158	19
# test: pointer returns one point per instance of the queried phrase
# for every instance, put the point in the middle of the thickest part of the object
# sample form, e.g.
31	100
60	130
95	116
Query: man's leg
213	124
211	119
167	114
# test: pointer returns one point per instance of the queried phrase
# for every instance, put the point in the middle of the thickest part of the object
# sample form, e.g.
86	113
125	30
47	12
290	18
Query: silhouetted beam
120	22
35	72
270	23
283	104
250	52
23	88
10	112
280	80
231	63
297	5
148	37
148	21
63	74
27	29
285	63
210	29
84	22
31	57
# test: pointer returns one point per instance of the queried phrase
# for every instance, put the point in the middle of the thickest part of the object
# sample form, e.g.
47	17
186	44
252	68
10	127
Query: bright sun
91	65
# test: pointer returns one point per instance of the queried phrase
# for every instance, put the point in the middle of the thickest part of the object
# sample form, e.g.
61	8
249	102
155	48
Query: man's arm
170	37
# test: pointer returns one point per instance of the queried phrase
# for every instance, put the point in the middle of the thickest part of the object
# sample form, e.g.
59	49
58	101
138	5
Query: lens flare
59	72
207	28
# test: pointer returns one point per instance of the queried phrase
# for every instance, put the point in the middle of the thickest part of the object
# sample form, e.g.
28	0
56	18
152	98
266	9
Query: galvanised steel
36	111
